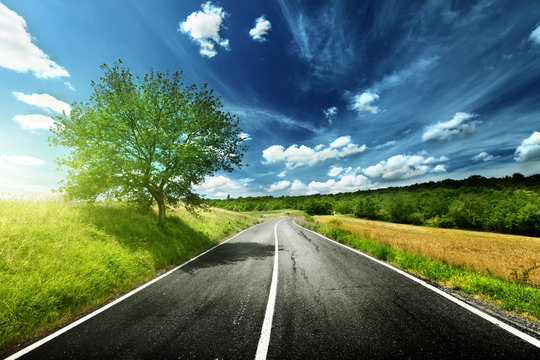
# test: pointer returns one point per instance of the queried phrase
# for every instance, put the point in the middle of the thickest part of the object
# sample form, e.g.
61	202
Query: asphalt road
328	303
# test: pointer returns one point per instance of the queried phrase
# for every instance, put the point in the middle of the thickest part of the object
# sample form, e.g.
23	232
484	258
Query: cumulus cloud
330	114
529	150
204	26
346	183
295	156
261	29
279	186
218	186
282	174
484	156
22	160
35	122
44	101
460	125
18	51
404	167
535	35
362	103
335	171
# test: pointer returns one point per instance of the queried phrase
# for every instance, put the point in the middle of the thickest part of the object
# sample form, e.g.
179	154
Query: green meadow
60	259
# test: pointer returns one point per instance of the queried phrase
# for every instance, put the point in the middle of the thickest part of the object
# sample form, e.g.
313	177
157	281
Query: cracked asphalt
331	304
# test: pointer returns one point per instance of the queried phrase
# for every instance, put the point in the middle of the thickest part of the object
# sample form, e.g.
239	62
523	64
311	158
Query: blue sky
333	96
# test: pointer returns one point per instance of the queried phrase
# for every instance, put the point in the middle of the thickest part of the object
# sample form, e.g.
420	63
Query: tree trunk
161	207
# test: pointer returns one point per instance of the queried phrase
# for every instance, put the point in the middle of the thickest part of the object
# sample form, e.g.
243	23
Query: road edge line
264	340
531	340
70	326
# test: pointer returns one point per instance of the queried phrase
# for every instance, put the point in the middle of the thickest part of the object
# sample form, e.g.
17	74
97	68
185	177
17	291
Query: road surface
312	299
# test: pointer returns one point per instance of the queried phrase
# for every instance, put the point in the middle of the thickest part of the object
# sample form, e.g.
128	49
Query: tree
146	138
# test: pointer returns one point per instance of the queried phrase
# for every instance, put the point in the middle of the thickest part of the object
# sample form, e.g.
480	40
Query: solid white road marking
491	319
264	340
100	310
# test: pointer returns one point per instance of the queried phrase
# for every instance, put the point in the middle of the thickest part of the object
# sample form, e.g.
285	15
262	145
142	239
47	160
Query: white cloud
535	35
279	186
44	101
204	26
335	171
386	144
362	103
261	29
245	136
529	150
219	186
298	187
340	142
347	183
330	114
459	125
295	156
282	174
69	86
484	156
18	51
404	167
439	168
34	121
432	159
22	160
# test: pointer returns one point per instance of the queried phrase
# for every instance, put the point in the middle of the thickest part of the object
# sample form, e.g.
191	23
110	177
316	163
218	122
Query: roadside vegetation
508	205
60	259
502	269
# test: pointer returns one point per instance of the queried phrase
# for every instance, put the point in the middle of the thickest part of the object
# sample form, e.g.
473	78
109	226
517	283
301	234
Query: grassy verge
520	297
58	259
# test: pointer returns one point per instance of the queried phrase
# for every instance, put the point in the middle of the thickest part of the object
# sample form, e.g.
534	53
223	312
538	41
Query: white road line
100	310
474	310
264	340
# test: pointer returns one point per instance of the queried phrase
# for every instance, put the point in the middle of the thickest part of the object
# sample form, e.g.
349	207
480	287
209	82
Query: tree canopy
149	138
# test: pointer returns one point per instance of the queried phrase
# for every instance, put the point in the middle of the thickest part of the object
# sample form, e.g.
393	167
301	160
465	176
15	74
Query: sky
332	96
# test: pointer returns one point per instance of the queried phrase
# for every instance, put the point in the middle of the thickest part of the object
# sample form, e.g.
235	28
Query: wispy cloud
18	51
261	29
204	26
321	38
22	160
44	101
535	35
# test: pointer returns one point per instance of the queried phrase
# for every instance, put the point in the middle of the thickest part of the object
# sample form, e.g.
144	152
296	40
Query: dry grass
506	256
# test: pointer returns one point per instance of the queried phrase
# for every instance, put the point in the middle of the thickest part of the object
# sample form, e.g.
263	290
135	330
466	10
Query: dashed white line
264	340
474	310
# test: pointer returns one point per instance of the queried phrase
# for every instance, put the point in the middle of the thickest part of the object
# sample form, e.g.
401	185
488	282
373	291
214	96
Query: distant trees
506	205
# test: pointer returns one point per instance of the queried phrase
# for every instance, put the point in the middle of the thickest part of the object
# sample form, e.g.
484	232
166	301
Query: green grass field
60	259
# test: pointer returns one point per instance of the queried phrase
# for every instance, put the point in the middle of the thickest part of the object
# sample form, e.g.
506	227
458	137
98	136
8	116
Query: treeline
506	205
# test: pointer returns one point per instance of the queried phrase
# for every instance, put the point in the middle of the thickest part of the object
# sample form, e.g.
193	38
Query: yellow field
498	254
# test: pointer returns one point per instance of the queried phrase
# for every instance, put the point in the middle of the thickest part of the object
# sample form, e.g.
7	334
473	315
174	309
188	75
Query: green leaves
151	134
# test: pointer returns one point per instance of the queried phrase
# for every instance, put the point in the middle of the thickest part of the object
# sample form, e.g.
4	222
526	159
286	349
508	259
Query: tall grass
60	259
